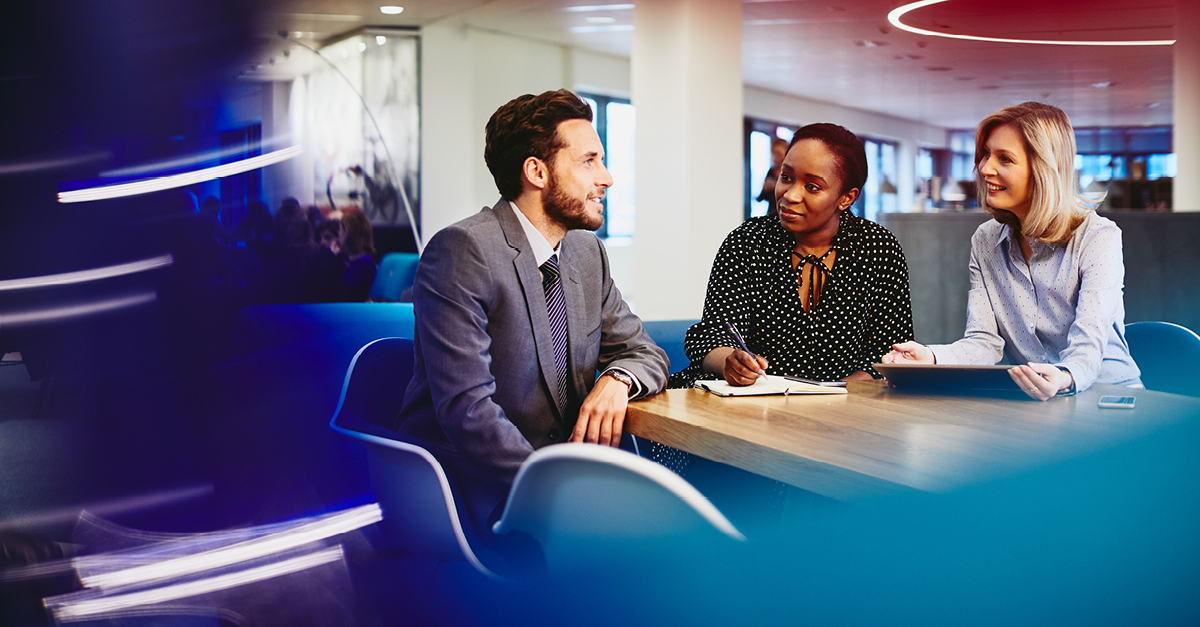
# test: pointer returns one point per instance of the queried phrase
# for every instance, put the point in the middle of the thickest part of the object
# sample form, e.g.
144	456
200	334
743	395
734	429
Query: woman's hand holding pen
742	368
737	367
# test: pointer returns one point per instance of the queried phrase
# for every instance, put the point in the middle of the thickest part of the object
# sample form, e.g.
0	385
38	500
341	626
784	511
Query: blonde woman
1047	275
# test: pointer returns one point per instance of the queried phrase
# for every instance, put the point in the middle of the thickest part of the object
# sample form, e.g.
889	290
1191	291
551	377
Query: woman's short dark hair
527	126
848	152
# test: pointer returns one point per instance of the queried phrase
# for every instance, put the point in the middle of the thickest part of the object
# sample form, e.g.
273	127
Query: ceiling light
600	19
362	47
380	40
1103	84
895	15
391	9
598	7
611	28
1153	105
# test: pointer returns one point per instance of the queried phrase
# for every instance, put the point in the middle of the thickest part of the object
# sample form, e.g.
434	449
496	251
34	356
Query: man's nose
605	179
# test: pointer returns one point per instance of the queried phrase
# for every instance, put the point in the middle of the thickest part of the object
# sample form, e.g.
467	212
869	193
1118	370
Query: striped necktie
556	307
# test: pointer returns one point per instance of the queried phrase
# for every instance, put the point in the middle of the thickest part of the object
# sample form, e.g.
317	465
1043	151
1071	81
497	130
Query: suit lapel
530	277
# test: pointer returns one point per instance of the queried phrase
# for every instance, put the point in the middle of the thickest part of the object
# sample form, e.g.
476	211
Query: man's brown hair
527	126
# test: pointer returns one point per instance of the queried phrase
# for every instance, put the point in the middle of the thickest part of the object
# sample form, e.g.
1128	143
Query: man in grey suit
507	346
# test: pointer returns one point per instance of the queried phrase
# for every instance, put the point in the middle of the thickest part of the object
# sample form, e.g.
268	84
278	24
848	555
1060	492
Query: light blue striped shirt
1065	307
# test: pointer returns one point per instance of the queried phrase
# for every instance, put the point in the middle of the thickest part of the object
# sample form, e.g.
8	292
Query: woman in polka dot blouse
815	291
1047	275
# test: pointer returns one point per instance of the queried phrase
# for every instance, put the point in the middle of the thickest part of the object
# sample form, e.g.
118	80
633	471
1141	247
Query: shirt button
554	435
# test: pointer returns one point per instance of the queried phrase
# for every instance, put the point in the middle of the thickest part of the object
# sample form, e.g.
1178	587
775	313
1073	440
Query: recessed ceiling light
609	28
1153	105
867	43
380	40
600	19
362	47
598	7
895	15
391	9
1103	84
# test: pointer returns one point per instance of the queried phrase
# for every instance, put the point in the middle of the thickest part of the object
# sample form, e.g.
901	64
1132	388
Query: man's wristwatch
620	376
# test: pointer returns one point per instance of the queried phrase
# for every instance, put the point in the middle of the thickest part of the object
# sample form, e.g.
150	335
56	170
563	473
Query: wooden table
876	440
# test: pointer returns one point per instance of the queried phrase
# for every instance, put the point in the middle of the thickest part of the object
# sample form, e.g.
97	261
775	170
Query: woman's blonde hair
1055	207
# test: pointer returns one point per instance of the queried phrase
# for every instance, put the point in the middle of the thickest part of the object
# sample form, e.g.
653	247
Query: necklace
816	270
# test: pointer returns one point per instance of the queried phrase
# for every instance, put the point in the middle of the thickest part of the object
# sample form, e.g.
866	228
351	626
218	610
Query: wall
466	75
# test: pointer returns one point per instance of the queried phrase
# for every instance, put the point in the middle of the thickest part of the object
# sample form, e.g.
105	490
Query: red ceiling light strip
895	15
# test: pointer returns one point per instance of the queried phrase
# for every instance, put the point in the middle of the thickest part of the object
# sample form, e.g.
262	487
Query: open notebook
765	386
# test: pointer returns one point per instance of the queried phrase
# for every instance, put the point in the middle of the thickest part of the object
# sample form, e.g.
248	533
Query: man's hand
602	415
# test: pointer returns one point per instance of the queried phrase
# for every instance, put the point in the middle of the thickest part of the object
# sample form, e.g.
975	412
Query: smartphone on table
1117	402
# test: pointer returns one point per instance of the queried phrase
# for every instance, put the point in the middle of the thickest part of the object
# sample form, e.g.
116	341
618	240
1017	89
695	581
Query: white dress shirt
542	251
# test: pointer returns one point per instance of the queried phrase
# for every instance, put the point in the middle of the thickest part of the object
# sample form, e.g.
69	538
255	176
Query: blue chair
594	507
420	513
1167	355
397	271
669	334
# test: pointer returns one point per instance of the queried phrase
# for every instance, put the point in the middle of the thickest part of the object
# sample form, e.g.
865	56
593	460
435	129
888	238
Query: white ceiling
845	51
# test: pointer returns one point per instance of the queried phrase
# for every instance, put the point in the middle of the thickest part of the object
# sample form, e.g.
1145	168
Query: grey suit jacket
484	387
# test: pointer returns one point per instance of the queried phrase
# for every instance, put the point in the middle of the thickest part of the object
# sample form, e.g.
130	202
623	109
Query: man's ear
535	172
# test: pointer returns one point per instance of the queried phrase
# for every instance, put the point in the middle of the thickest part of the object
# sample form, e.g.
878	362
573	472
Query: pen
737	337
828	384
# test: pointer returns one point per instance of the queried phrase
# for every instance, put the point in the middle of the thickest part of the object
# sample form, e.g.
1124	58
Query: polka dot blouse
863	309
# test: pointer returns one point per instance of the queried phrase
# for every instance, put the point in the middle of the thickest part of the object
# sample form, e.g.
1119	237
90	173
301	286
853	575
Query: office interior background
162	409
688	103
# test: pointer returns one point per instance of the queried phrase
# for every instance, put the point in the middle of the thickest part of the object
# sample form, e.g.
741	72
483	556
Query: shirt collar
542	250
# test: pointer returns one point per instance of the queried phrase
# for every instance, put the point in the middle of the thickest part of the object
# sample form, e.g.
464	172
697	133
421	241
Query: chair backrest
397	271
669	334
375	382
419	511
1167	355
587	504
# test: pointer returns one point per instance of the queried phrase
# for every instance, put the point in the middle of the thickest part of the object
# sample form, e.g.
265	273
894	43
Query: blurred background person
298	269
329	233
357	246
779	148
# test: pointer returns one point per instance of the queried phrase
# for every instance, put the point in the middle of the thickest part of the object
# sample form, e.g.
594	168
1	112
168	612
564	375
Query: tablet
948	379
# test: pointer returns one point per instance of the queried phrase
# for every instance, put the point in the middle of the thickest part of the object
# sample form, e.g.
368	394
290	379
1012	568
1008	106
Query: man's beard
570	212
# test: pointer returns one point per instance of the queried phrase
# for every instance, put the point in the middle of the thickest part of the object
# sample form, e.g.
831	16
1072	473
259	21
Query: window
879	194
758	138
615	122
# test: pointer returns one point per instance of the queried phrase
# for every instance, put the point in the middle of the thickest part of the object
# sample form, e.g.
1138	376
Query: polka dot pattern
863	309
